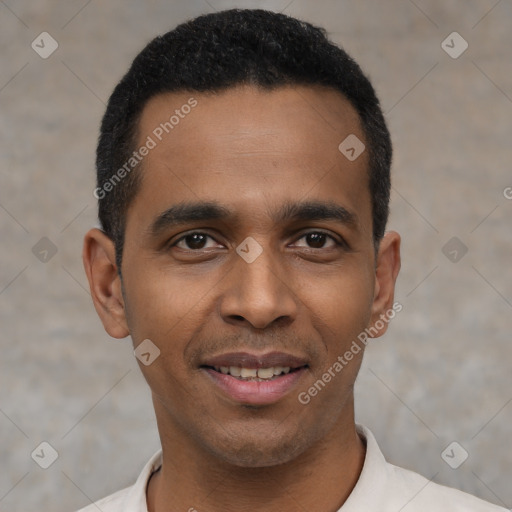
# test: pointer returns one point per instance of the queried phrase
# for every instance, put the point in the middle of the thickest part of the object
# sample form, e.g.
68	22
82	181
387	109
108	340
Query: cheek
341	302
161	304
162	309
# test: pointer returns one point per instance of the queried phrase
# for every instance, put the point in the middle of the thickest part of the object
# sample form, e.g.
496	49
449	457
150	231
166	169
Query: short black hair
214	52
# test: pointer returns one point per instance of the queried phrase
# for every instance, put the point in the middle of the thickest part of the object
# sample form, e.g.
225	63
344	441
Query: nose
258	294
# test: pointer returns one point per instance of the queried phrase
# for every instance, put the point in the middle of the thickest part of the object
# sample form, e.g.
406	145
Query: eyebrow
186	212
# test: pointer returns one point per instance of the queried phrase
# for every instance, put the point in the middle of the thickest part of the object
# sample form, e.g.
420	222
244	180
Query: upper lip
248	360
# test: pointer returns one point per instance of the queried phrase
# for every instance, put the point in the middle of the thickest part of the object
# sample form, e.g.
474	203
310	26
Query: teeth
265	373
248	372
235	371
253	373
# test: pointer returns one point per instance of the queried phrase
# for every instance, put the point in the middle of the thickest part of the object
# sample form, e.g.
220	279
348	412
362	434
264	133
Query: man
243	185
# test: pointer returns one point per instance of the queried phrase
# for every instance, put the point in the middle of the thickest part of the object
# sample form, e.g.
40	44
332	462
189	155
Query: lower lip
256	392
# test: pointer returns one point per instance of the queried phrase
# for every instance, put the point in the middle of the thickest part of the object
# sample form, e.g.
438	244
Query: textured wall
441	374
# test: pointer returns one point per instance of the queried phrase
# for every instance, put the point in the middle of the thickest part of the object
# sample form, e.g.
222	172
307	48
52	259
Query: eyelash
337	242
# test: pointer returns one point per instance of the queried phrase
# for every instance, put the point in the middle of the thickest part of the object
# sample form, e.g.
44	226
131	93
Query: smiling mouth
255	374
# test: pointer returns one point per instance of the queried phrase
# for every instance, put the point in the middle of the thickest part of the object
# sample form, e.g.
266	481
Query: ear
386	272
99	261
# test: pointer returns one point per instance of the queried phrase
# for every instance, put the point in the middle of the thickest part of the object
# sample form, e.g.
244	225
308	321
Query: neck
319	479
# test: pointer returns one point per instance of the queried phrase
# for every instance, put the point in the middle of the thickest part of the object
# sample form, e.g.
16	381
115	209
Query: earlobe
387	269
104	282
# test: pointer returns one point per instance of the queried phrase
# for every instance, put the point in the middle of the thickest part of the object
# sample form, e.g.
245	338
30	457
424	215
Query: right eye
195	241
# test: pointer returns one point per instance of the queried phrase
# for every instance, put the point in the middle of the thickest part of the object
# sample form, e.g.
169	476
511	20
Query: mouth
254	374
255	379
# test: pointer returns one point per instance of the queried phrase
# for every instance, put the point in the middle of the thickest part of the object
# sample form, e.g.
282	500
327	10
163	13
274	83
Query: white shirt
381	487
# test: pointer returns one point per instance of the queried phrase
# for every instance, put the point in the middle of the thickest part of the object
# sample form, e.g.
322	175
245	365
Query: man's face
307	295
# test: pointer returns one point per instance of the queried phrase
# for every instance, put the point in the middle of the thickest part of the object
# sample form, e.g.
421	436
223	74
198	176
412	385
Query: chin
260	451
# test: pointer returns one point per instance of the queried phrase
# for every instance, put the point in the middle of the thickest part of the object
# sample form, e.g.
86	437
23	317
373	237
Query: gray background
441	373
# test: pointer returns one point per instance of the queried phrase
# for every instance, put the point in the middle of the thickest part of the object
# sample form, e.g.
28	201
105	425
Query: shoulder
113	503
424	495
385	487
132	498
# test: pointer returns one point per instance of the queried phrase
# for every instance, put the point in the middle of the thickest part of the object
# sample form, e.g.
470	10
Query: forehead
250	148
246	111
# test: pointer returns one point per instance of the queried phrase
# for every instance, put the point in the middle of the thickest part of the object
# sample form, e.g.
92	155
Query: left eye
197	240
318	238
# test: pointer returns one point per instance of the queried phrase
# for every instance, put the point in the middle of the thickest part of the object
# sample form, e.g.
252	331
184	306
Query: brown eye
193	241
317	239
